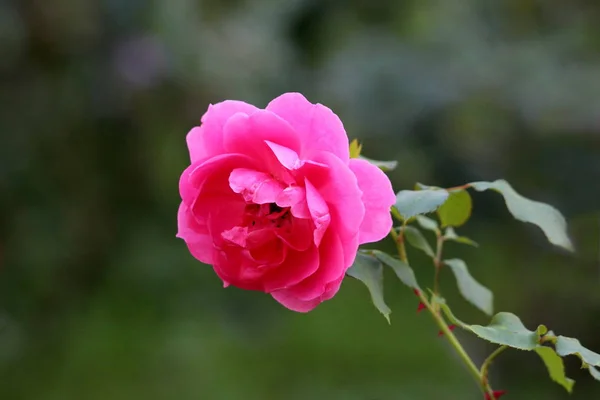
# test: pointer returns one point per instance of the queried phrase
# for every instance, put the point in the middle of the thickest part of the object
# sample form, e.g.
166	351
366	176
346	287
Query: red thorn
421	307
417	292
451	327
497	394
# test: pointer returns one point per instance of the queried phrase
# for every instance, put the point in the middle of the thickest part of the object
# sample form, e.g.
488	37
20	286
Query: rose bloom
273	201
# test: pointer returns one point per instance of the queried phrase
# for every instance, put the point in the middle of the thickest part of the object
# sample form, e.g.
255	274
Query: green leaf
507	329
556	367
383	165
569	346
355	148
402	269
427	223
549	219
473	291
414	202
422	186
504	329
368	270
456	210
450	234
416	239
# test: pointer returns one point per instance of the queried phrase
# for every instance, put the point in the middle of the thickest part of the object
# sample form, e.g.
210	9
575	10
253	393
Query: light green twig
481	379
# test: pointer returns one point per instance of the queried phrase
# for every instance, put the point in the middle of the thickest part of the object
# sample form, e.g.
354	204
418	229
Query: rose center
264	216
263	230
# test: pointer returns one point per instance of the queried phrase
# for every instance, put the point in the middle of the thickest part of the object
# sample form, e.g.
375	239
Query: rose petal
256	187
236	235
297	266
332	288
293	303
210	180
296	233
319	211
331	268
207	140
222	216
339	188
350	246
216	170
271	253
230	264
187	190
196	237
286	156
377	196
248	135
318	126
295	198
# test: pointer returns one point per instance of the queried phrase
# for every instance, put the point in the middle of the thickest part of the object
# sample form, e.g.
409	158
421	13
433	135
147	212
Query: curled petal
256	187
286	156
295	198
378	198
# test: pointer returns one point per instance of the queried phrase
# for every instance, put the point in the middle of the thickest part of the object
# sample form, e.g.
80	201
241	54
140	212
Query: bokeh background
99	300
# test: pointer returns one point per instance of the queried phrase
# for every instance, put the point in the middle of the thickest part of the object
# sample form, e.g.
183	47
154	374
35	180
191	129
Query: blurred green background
99	300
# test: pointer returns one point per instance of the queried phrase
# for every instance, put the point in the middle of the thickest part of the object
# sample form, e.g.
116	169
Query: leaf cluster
449	209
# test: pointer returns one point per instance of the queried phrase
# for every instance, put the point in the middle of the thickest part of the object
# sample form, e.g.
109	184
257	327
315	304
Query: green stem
488	361
396	214
399	240
441	323
437	263
461	187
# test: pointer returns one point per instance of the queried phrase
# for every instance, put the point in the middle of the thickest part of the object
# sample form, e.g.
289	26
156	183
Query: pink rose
274	203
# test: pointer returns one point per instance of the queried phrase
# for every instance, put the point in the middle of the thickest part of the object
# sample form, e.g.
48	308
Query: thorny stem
439	320
481	379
